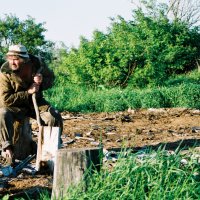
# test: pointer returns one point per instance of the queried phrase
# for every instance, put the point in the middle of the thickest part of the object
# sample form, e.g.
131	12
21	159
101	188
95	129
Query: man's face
15	62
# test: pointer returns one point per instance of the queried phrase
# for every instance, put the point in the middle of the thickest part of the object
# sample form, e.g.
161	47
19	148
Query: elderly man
19	79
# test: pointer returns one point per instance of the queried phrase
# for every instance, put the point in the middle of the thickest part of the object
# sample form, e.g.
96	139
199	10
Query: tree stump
73	166
24	144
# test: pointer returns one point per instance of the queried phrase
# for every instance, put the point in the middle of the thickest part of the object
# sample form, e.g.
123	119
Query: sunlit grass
75	98
153	176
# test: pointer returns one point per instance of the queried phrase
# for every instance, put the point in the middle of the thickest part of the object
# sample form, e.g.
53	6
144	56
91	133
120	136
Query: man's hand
33	88
38	79
9	152
36	85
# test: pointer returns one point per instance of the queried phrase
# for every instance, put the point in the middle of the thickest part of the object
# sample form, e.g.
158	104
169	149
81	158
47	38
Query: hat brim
17	54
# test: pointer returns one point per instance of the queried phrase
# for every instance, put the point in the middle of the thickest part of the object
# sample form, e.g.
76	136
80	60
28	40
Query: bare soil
132	128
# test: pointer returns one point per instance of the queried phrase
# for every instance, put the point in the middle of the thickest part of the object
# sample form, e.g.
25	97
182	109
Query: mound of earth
132	128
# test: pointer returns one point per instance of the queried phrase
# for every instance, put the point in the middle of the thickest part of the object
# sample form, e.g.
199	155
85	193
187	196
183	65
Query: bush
152	99
183	95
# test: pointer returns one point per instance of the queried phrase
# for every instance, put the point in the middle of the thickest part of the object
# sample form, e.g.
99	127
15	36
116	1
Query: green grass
75	98
145	175
192	77
177	91
157	175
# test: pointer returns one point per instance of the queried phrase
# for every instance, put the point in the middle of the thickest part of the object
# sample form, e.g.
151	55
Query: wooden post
73	166
24	143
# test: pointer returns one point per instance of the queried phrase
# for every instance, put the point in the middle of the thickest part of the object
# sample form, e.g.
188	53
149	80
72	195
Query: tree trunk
73	166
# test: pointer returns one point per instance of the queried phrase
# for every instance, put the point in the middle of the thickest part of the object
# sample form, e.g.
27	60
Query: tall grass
154	177
178	91
76	98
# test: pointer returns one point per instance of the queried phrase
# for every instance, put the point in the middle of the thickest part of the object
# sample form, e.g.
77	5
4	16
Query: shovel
48	141
8	170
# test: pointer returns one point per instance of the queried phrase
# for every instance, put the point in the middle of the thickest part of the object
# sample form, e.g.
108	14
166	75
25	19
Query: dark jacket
14	85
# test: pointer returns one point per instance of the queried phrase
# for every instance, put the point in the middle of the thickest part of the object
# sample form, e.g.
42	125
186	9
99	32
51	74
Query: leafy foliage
27	32
144	51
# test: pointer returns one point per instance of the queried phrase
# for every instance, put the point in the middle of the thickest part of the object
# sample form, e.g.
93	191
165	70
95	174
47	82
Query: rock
111	155
126	118
95	143
195	129
184	161
78	134
110	133
85	138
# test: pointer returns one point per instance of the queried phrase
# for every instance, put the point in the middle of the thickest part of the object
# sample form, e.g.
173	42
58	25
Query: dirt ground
132	128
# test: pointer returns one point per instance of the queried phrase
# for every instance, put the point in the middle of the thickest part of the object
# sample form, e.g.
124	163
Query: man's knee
48	119
52	118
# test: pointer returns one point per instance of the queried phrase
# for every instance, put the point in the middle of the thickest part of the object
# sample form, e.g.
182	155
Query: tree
144	51
27	32
168	48
185	10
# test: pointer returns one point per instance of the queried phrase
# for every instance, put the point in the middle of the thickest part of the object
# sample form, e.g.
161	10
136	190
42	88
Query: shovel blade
48	144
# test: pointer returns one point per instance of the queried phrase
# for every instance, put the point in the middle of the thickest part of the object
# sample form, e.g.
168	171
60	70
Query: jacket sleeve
8	96
47	73
48	77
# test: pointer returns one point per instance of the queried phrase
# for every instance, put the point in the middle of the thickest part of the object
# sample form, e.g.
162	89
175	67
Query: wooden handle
34	99
36	109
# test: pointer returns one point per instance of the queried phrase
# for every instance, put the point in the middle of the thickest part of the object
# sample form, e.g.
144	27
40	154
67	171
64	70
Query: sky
67	20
